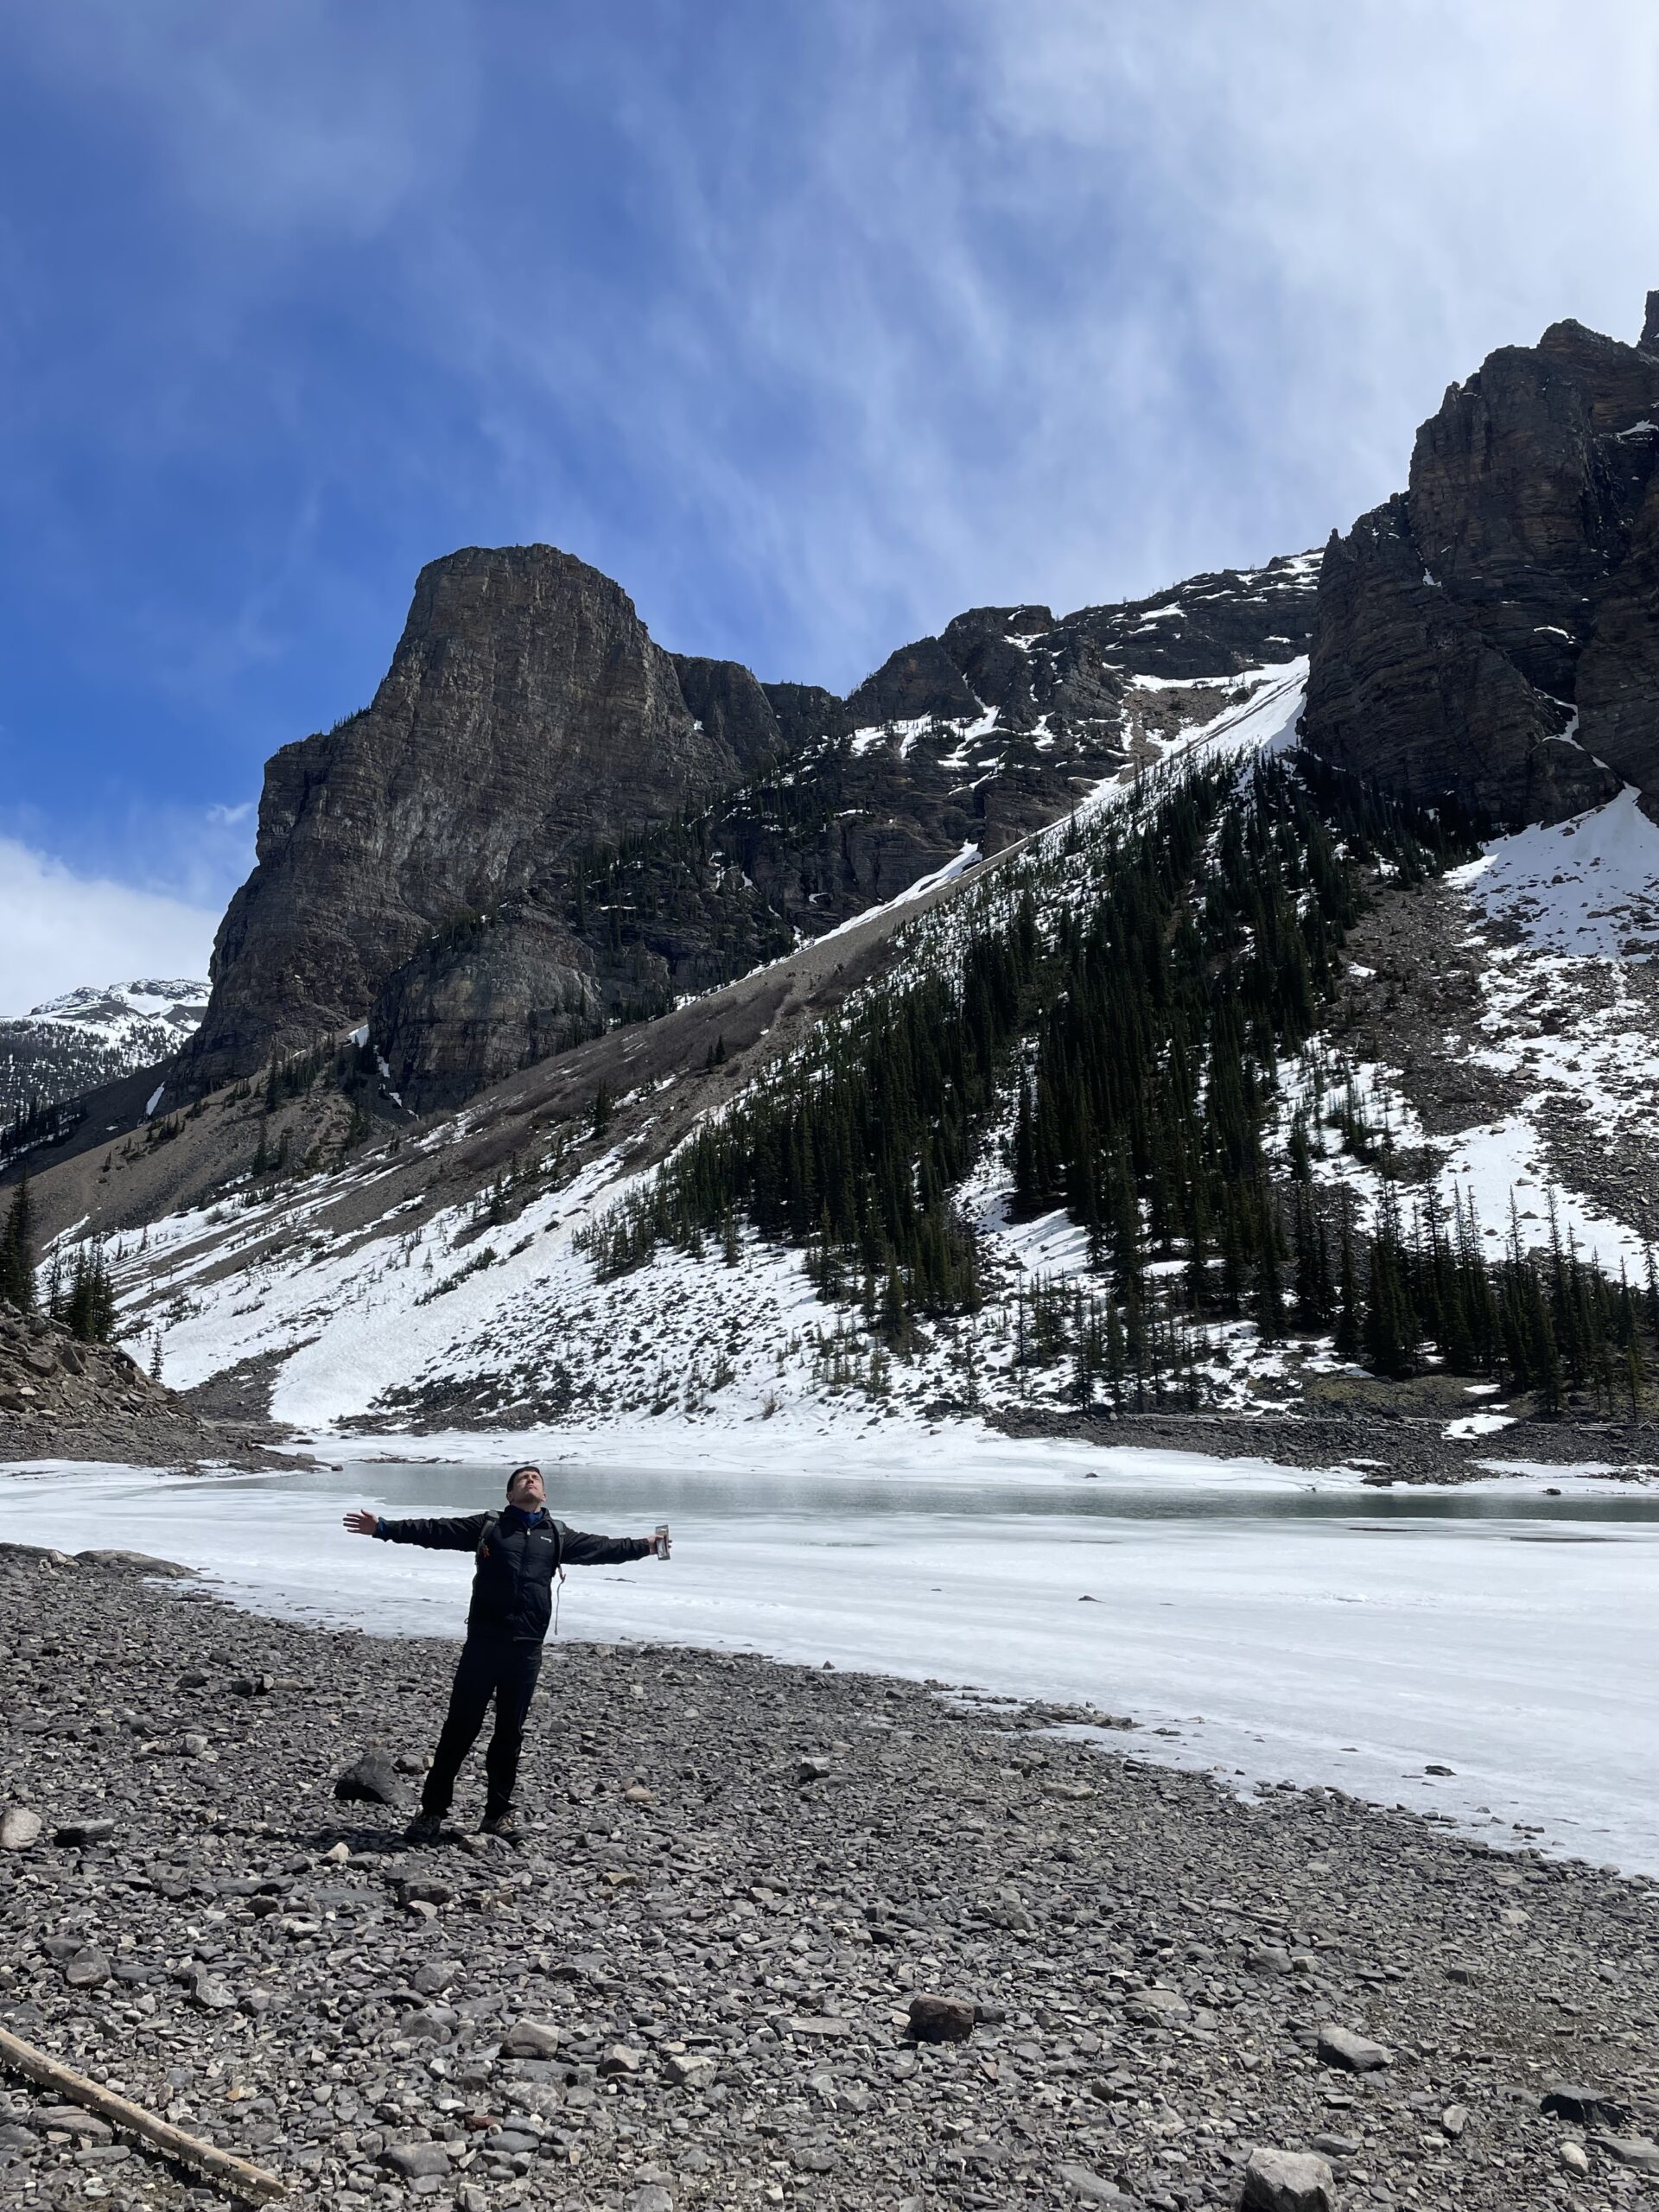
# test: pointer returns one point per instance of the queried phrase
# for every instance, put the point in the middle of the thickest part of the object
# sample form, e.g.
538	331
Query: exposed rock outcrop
1490	633
526	713
477	1003
46	1374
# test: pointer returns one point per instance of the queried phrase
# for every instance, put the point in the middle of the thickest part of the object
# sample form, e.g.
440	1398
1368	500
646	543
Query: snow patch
1588	886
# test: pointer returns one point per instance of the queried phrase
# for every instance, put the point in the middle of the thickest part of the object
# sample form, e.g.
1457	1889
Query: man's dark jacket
519	1555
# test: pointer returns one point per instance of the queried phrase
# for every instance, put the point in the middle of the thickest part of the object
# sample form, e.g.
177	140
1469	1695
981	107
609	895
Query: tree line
81	1295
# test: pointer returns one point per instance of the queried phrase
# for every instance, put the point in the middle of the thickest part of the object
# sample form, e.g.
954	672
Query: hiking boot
425	1827
506	1824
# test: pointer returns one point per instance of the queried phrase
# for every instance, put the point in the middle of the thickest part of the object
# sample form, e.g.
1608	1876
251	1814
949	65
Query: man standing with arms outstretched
520	1552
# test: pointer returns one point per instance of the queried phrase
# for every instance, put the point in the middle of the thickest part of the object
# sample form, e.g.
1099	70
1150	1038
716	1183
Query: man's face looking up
524	1489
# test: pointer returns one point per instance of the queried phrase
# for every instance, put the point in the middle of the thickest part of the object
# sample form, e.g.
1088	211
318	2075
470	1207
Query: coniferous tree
17	1251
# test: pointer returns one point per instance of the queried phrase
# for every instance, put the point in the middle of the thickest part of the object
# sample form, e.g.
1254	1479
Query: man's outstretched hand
361	1523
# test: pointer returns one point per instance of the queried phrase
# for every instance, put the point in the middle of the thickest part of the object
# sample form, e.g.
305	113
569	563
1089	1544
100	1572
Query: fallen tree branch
48	2073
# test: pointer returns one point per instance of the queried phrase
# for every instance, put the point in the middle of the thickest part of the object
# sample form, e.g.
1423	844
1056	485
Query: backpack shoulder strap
484	1536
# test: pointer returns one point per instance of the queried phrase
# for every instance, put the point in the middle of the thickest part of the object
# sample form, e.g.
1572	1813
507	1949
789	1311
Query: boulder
417	2161
1354	2054
943	2019
75	1835
531	2039
1288	2181
370	1779
20	1829
1583	2107
1639	2153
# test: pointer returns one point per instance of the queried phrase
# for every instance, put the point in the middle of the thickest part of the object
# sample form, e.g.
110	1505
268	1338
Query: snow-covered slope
92	1036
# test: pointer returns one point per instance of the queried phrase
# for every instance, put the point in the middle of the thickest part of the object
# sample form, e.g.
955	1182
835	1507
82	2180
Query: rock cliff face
1491	631
543	821
526	712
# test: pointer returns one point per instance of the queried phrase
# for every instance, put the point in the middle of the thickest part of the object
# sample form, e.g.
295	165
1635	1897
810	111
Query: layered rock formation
1490	632
526	712
543	821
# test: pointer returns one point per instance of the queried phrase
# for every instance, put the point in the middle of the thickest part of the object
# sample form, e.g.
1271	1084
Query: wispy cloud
59	930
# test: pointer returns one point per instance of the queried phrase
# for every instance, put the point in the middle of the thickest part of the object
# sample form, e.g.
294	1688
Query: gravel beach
692	1983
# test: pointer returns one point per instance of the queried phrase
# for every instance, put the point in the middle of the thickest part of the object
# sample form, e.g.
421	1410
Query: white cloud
59	930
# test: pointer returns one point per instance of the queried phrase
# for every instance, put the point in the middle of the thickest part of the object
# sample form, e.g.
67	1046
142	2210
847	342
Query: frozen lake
1306	1632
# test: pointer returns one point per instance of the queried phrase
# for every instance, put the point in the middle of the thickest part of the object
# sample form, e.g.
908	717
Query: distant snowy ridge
116	1012
94	1035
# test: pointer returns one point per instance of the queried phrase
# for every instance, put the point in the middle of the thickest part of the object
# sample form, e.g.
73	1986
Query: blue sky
811	325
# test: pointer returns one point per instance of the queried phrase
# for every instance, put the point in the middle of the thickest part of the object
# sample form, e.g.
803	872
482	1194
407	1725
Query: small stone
816	1769
88	1969
689	2071
210	1994
1440	1770
941	2020
620	2058
531	2039
1466	1975
1354	2054
1156	2007
338	1854
1336	2147
1453	2120
1583	2107
654	2197
417	2161
1572	2156
1288	2181
370	1779
1090	2188
193	1744
20	1829
71	2120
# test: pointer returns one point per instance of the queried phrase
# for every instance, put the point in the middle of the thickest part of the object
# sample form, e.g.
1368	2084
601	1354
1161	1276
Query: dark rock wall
476	1002
525	712
1490	633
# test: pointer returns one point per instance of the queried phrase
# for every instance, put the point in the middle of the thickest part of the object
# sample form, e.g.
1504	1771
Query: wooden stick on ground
237	2175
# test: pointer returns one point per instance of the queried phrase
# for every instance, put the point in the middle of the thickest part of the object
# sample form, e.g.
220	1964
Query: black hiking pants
490	1666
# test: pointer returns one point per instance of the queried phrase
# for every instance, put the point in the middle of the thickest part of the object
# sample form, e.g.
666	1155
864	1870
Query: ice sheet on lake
1354	1648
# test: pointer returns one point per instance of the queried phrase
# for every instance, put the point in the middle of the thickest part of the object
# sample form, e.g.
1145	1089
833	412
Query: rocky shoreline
1388	1449
691	1985
62	1399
